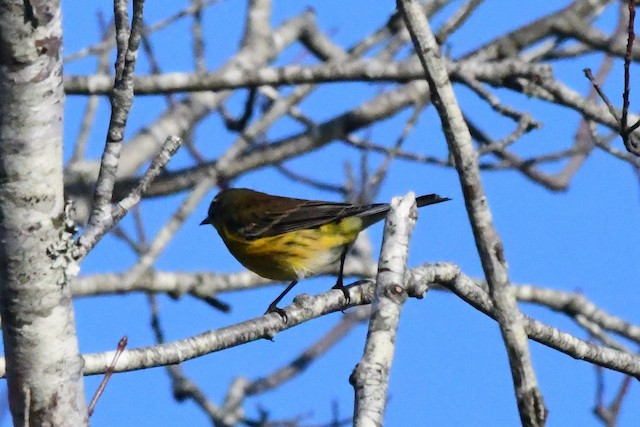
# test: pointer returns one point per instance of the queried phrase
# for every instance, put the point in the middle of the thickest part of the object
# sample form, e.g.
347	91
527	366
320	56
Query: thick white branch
370	378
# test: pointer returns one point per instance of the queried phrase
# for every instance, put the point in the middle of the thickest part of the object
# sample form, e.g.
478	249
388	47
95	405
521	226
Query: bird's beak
205	221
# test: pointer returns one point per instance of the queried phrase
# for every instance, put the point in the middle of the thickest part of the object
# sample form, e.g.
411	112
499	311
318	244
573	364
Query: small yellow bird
282	238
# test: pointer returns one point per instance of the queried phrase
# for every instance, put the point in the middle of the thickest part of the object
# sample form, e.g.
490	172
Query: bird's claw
281	312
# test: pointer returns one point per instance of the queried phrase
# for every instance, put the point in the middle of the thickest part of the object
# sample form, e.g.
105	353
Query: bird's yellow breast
293	255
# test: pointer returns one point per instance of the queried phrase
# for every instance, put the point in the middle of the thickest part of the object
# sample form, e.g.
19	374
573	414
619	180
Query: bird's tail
373	213
430	199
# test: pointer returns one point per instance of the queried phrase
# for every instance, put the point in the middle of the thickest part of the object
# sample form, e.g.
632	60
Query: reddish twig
122	344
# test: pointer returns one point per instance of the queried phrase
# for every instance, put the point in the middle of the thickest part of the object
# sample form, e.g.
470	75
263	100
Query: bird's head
229	207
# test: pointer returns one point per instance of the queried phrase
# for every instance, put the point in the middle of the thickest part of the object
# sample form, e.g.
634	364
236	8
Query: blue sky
450	367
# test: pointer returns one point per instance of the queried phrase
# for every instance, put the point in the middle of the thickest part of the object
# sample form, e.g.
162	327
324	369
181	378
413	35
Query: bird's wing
303	214
275	215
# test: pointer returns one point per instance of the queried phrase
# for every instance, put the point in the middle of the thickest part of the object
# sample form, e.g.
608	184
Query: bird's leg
339	283
273	306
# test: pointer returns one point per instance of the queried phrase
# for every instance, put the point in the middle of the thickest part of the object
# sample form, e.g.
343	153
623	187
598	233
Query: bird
289	239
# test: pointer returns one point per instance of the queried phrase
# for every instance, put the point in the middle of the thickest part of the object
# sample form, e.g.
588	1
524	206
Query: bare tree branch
530	401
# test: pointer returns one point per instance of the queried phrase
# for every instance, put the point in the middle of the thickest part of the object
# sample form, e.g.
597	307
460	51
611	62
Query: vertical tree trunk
44	367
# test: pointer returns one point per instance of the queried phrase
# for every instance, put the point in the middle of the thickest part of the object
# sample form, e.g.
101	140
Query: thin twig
89	241
122	344
121	100
197	34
